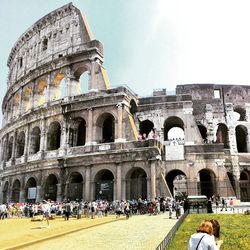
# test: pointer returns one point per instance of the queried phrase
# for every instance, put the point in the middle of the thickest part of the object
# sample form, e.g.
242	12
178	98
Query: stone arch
75	186
35	137
5	192
222	135
206	182
241	138
40	93
50	188
104	185
27	102
245	185
176	125
136	180
81	75
9	149
31	189
203	132
146	127
16	188
105	128
177	183
77	133
240	113
20	144
16	104
54	136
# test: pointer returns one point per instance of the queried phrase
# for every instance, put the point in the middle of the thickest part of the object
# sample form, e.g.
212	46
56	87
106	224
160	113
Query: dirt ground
21	231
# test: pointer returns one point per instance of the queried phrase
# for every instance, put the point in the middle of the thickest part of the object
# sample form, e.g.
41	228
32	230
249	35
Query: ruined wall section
159	109
47	39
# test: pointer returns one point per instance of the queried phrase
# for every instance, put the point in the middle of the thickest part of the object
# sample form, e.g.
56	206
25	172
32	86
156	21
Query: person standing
46	208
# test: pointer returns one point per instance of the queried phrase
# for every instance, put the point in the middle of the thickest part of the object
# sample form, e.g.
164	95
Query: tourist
204	238
231	204
209	206
224	204
46	206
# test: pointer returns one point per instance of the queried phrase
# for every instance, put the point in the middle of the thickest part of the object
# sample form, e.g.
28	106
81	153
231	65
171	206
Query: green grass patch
235	231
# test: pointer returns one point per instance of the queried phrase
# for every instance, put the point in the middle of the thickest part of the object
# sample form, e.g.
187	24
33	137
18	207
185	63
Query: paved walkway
139	232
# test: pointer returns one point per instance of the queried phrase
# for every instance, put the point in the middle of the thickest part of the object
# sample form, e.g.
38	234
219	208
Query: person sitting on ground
204	238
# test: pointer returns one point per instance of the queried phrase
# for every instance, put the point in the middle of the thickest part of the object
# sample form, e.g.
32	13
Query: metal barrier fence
165	243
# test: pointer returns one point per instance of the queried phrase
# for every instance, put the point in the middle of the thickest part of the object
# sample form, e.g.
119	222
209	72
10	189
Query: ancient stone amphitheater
60	142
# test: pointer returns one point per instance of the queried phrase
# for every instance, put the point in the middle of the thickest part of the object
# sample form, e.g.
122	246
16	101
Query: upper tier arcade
47	61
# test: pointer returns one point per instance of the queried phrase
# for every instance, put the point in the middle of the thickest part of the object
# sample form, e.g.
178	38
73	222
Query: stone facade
60	143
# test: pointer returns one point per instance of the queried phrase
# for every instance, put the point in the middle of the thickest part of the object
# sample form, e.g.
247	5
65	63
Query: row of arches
173	128
35	95
136	180
222	136
136	185
105	132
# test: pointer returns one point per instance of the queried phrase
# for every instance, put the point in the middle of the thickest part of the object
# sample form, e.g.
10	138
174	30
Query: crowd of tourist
91	209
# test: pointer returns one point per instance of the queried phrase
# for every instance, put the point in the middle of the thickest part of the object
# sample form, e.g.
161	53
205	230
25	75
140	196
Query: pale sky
151	44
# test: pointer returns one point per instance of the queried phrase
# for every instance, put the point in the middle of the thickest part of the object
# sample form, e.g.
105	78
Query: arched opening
16	105
173	128
104	188
75	186
27	92
77	134
31	190
136	184
222	135
50	190
106	128
206	183
40	93
177	183
82	77
58	88
241	138
16	191
9	149
245	186
5	192
20	144
203	132
146	127
54	136
35	140
239	113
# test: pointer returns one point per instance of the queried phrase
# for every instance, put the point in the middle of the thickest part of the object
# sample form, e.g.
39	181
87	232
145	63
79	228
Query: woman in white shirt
204	238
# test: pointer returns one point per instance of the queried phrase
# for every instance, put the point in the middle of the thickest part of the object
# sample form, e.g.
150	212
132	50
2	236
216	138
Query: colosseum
59	142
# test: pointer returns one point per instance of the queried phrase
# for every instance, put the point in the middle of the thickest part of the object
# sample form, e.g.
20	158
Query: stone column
27	143
119	183
43	135
72	85
87	184
58	192
89	135
119	134
20	108
13	155
92	77
148	188
124	190
153	179
38	193
66	190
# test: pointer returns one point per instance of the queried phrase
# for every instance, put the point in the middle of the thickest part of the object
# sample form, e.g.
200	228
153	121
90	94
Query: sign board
32	193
